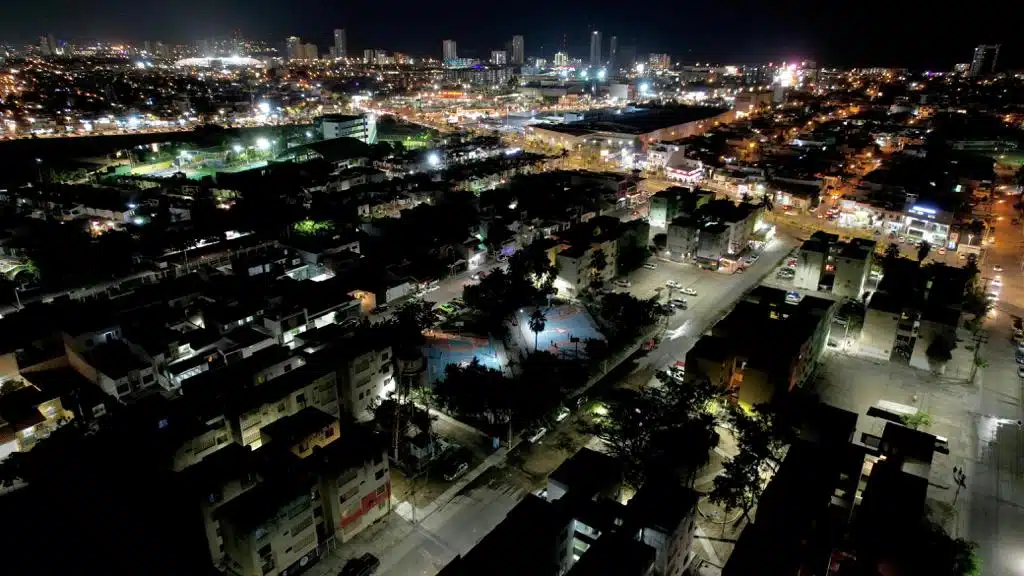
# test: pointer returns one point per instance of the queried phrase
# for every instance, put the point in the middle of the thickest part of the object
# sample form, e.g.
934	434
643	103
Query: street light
262	143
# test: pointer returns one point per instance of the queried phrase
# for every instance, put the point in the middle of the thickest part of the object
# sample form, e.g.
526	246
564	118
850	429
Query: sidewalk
414	514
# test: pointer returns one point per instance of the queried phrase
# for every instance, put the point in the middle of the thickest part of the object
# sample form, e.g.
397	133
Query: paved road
717	293
993	507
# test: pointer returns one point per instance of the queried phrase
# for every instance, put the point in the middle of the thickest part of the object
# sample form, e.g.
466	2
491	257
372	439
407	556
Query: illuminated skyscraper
561	59
984	61
517	51
499	57
340	43
595	48
613	52
295	50
448	50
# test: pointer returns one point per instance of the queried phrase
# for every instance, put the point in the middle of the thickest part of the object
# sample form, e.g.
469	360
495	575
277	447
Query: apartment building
269	530
314	385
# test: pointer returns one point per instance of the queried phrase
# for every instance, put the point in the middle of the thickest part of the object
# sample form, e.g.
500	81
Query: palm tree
537	322
923	250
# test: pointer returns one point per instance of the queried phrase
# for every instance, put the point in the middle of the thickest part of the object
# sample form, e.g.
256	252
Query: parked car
997	268
689	291
623	283
678	303
364	565
651	266
1020	371
672	284
381	309
562	414
535	434
455	469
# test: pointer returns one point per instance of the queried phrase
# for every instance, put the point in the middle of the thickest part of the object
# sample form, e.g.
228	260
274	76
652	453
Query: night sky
911	33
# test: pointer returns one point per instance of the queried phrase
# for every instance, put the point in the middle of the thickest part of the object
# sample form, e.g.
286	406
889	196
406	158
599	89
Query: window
379	474
381	489
287	367
99	410
384	357
281	407
123	389
385	369
348	494
360	395
148	379
300	399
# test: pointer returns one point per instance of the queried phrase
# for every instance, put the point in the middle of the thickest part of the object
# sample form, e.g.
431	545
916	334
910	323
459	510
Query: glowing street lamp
237	148
262	144
433	160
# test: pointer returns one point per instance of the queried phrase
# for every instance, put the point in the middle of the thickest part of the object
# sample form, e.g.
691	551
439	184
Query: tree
739	485
923	250
474	390
661	431
660	241
939	351
9	386
916	420
892	253
537	322
598	263
762	436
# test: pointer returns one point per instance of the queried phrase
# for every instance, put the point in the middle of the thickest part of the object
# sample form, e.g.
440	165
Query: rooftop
588	472
298	426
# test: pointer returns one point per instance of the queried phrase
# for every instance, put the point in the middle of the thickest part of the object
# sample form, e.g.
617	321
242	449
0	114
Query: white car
651	266
562	414
997	268
689	291
623	283
537	434
672	284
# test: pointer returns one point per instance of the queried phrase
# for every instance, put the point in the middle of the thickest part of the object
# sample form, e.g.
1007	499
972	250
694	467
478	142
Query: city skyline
739	33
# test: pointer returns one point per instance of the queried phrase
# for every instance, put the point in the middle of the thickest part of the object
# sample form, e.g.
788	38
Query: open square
563	324
444	348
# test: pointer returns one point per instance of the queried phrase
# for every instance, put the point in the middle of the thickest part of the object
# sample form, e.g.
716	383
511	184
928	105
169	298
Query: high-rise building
309	52
340	43
518	53
369	56
984	61
448	50
44	47
561	59
595	48
659	62
613	52
295	50
499	57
